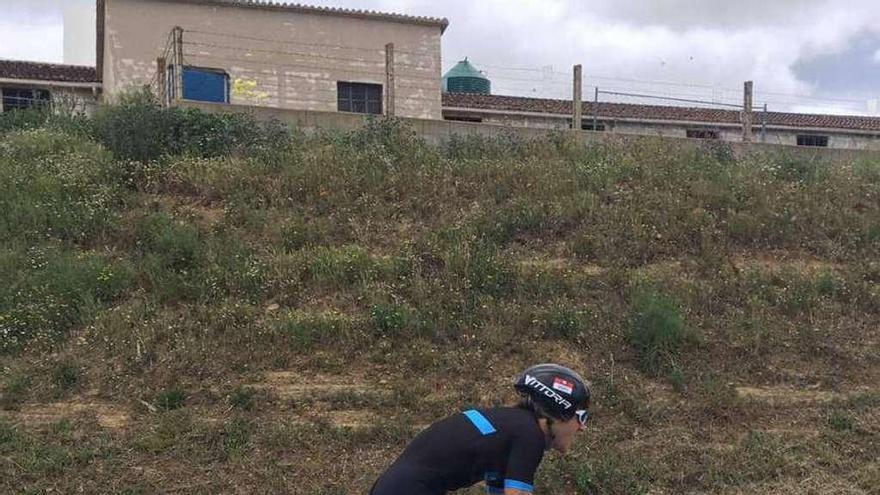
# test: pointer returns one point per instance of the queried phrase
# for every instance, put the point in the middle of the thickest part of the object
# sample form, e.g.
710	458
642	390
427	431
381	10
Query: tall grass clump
136	128
54	185
58	197
656	330
52	290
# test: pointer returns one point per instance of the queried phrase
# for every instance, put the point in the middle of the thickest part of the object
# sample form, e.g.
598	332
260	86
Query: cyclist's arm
526	453
492	489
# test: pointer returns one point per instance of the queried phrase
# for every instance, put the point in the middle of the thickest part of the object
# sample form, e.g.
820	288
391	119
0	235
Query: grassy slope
283	319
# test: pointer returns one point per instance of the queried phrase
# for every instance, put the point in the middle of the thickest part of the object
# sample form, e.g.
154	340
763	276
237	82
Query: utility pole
177	35
576	98
747	112
389	80
764	124
160	78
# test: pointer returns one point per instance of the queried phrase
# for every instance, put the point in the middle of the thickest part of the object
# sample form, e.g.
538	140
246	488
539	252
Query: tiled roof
656	112
312	9
17	69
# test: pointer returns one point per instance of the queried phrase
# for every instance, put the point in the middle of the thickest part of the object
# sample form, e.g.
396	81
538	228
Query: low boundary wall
439	131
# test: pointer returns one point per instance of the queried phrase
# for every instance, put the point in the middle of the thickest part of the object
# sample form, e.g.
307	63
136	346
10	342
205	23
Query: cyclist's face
565	432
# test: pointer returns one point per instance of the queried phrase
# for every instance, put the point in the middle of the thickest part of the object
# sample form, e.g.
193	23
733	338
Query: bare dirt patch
779	261
289	384
108	415
785	396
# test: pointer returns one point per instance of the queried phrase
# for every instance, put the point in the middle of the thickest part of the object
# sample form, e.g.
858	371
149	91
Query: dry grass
284	319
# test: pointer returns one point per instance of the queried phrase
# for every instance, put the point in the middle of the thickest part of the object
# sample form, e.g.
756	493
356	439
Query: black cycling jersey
502	446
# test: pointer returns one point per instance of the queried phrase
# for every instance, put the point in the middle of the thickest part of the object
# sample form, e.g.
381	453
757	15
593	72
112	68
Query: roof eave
784	127
442	23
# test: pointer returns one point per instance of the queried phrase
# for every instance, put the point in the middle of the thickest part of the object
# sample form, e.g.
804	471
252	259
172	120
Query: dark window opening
702	133
359	97
812	140
462	118
588	125
201	84
21	98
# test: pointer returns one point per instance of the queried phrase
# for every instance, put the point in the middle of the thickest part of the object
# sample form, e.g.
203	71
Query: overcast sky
803	55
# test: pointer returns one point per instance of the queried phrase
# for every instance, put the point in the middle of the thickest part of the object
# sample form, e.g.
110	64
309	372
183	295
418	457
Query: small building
271	54
796	129
65	88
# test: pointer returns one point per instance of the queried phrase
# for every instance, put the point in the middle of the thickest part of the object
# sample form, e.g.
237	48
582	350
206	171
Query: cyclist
501	446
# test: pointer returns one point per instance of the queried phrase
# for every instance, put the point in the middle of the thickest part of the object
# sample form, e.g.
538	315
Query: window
359	97
17	98
812	140
587	125
702	133
462	118
205	85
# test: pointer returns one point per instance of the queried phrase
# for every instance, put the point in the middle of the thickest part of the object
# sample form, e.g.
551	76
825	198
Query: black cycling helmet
559	390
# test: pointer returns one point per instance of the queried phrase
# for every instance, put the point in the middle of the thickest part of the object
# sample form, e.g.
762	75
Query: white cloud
31	30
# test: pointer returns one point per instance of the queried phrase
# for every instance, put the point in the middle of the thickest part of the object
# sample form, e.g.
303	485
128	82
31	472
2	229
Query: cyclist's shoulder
514	419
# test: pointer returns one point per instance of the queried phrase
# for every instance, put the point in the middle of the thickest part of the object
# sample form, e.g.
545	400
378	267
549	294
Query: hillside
208	304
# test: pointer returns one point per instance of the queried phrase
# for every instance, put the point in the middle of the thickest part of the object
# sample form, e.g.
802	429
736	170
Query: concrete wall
840	139
439	131
293	59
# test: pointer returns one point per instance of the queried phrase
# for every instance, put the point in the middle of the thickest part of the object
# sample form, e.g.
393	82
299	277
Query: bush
170	399
65	376
478	266
242	398
14	390
136	128
55	185
177	244
389	319
561	321
58	290
656	330
231	269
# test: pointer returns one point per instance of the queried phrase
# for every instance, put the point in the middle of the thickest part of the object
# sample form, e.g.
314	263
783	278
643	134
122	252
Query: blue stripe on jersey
480	422
518	485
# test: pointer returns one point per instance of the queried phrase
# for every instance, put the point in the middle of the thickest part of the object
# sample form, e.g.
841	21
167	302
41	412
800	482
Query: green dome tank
465	78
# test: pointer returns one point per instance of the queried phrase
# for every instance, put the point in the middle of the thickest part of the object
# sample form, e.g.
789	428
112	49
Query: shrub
793	168
389	319
58	290
242	398
170	399
54	185
177	244
236	436
135	128
14	390
478	265
65	376
561	321
656	330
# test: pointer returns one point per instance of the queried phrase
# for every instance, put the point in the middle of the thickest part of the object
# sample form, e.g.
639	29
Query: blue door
205	85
